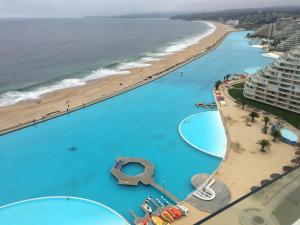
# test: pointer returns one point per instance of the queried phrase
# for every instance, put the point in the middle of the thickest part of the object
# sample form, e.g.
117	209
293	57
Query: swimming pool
205	132
59	211
289	135
252	70
72	155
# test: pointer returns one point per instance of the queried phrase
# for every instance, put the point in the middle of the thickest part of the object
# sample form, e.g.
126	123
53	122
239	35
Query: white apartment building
277	84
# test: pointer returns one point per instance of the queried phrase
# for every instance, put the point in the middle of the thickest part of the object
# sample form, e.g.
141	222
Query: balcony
276	203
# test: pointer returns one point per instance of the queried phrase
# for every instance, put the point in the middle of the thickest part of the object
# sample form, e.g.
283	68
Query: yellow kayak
159	221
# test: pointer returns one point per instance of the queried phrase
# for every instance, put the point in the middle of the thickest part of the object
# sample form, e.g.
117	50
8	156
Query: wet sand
65	100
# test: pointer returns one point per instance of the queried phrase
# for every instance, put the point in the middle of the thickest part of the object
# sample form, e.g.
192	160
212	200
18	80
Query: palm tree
253	115
266	120
263	144
243	103
276	134
265	129
217	84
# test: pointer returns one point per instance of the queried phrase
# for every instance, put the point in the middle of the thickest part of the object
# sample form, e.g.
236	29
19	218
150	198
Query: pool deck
223	195
146	177
243	147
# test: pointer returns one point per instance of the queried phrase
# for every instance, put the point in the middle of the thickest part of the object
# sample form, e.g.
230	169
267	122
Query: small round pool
59	211
288	135
133	169
205	132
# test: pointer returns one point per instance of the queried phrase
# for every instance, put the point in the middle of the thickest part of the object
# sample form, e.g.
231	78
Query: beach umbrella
296	161
265	182
274	175
254	188
287	168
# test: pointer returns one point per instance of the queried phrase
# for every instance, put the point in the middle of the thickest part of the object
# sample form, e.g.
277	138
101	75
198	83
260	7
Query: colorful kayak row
167	217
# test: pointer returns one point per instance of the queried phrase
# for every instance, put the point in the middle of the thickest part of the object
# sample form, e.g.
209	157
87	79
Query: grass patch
237	93
238	85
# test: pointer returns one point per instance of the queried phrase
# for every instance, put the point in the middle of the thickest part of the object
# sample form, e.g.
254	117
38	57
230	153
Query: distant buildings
283	35
233	22
278	84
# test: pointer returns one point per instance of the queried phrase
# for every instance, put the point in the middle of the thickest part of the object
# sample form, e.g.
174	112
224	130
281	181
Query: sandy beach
65	100
237	174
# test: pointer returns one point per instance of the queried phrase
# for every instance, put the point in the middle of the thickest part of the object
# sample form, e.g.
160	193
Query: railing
257	205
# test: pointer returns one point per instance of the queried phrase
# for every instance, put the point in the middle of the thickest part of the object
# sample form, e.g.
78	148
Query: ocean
38	56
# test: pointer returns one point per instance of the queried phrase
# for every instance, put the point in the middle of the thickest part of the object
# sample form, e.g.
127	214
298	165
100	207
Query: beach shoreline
63	101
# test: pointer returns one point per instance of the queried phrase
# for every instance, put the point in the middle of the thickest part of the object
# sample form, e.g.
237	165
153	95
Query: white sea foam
130	65
102	72
257	46
12	97
150	59
271	55
181	45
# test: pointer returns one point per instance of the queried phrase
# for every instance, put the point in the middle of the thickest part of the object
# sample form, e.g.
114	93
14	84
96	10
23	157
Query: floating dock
145	178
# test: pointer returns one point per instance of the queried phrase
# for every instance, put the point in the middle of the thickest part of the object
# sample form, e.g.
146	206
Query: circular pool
288	135
59	211
205	132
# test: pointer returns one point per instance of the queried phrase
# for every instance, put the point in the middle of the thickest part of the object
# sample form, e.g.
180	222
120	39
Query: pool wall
221	153
118	216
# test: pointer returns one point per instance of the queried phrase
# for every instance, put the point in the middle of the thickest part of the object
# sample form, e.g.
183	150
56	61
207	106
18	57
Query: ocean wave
104	72
181	45
150	59
13	97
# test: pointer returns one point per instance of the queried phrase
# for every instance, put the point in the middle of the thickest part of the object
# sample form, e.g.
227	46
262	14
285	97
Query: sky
79	8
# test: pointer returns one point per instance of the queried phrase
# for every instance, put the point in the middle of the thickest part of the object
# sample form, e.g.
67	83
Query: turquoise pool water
289	135
252	70
59	211
37	161
205	132
133	169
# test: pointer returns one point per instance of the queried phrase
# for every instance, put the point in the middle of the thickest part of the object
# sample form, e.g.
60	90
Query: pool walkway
146	177
223	195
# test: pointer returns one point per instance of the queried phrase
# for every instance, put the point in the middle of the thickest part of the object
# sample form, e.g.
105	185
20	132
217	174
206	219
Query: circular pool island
205	131
59	211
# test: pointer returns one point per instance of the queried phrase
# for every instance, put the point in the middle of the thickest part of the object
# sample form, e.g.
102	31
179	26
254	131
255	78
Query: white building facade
277	84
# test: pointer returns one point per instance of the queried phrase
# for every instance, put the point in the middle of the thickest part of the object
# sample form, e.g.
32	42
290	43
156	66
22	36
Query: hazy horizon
77	8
